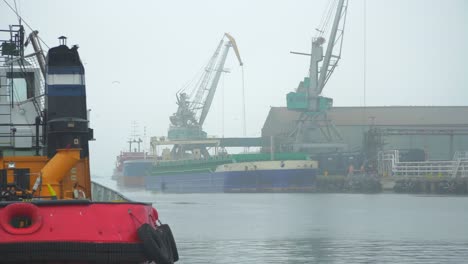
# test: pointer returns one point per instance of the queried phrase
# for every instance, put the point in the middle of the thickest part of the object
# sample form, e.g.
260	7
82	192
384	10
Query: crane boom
218	69
193	107
214	84
197	101
325	72
234	46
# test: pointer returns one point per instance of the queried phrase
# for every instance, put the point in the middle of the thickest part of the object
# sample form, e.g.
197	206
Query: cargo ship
131	166
260	172
47	211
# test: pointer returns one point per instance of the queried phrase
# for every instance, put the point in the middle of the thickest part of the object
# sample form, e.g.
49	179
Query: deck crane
194	105
314	130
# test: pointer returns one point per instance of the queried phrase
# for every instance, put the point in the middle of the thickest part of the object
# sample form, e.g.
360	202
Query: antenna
144	141
134	137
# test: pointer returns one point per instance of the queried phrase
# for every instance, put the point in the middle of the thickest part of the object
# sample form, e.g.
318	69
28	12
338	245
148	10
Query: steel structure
21	91
307	98
194	105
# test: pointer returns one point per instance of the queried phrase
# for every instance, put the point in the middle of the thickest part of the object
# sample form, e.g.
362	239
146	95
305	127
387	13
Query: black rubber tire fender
154	245
161	238
170	239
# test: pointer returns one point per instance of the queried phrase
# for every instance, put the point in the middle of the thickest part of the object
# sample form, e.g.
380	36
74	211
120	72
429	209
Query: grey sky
416	55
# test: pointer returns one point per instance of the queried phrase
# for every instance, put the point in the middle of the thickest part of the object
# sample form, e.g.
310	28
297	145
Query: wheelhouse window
21	85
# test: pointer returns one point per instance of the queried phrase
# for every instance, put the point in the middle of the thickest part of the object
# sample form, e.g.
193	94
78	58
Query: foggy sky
416	55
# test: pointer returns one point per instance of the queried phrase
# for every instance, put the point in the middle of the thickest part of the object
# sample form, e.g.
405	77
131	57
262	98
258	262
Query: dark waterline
315	228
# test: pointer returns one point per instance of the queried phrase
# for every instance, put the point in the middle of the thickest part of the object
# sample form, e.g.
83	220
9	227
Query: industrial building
438	131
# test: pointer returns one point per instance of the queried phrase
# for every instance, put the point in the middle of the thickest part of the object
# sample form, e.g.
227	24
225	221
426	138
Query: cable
244	128
323	18
324	27
19	7
364	59
327	27
365	49
222	108
26	23
16	9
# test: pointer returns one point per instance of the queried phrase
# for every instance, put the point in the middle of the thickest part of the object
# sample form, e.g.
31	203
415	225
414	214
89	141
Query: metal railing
101	193
389	165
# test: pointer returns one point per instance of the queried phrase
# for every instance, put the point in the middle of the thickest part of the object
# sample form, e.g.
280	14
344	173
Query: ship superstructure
132	165
47	213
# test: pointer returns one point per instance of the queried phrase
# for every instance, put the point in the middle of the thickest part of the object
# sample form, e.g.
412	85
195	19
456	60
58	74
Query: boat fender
155	244
22	209
170	240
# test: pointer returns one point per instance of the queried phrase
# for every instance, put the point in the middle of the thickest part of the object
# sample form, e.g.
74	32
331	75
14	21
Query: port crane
314	130
194	104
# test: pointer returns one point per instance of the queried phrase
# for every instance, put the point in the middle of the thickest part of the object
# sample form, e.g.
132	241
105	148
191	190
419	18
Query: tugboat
47	212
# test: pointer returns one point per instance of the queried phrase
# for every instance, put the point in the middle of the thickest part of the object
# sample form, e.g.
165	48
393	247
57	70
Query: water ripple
322	251
315	228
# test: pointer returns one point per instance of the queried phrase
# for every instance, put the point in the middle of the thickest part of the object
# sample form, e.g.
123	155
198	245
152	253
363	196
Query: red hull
77	231
78	221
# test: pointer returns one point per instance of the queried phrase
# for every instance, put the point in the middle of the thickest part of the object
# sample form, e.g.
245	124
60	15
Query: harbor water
315	228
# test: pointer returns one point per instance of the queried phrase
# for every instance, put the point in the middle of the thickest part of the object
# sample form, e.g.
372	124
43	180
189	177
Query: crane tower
314	130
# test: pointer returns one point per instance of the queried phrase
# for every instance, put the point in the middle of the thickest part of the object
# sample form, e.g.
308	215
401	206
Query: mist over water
314	228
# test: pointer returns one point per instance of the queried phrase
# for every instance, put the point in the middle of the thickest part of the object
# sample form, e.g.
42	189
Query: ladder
6	86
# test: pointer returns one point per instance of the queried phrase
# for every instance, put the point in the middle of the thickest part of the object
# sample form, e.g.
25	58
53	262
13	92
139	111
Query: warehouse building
438	131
